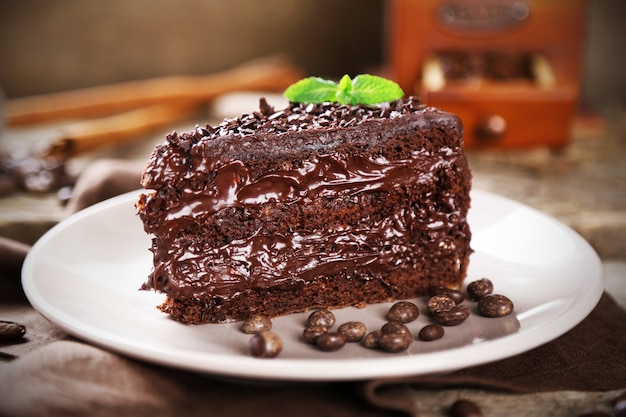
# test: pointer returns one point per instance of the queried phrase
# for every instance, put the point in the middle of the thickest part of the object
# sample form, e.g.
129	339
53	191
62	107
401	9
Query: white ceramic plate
84	275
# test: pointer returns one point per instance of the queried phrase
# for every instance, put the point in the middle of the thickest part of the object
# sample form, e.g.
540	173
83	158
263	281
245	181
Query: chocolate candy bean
265	345
371	339
256	324
403	312
395	342
495	305
330	342
452	316
11	331
478	289
323	317
311	333
353	330
395	327
431	332
440	302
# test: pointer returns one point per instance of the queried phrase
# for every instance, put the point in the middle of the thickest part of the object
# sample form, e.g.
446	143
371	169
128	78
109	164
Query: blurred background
48	46
51	46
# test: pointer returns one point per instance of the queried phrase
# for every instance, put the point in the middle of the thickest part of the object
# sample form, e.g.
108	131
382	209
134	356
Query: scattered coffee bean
330	342
457	296
353	330
323	317
452	316
371	339
595	414
465	408
443	304
431	332
11	331
403	312
256	324
495	305
265	345
311	333
395	342
440	302
478	289
395	327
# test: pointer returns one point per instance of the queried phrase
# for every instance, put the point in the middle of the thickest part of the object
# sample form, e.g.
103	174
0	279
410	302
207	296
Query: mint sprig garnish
362	89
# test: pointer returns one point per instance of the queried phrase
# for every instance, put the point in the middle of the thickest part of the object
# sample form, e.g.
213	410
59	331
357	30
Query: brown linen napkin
69	378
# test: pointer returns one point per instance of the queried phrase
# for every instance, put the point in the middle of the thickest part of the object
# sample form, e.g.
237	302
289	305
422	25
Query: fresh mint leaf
370	89
312	90
363	89
344	91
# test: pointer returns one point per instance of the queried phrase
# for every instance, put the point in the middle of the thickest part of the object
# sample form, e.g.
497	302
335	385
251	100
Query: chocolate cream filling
293	258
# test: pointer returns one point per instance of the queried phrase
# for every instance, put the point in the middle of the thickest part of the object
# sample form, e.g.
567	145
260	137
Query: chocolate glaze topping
212	172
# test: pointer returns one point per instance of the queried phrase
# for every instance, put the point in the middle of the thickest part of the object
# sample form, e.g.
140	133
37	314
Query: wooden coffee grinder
511	69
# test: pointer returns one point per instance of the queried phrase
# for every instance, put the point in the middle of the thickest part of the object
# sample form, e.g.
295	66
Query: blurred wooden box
511	69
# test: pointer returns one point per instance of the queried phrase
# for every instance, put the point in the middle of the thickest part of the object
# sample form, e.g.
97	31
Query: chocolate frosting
212	176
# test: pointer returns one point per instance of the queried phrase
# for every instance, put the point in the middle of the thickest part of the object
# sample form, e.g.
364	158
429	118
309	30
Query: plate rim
309	369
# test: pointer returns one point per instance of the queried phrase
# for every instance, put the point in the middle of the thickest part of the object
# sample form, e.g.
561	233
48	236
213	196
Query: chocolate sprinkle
297	117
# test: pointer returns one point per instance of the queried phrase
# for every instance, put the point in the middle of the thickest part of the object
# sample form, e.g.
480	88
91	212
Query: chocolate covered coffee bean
395	327
431	332
452	316
256	324
479	288
440	302
11	331
495	305
353	330
330	342
265	345
323	317
312	332
371	339
395	342
403	312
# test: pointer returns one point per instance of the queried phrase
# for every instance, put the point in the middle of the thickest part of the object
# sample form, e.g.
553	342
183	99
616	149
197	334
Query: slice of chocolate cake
318	205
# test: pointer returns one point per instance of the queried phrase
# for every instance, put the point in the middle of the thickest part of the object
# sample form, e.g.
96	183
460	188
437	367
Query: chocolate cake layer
311	206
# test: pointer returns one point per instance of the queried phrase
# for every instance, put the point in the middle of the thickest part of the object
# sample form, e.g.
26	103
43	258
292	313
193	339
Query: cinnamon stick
89	134
266	74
